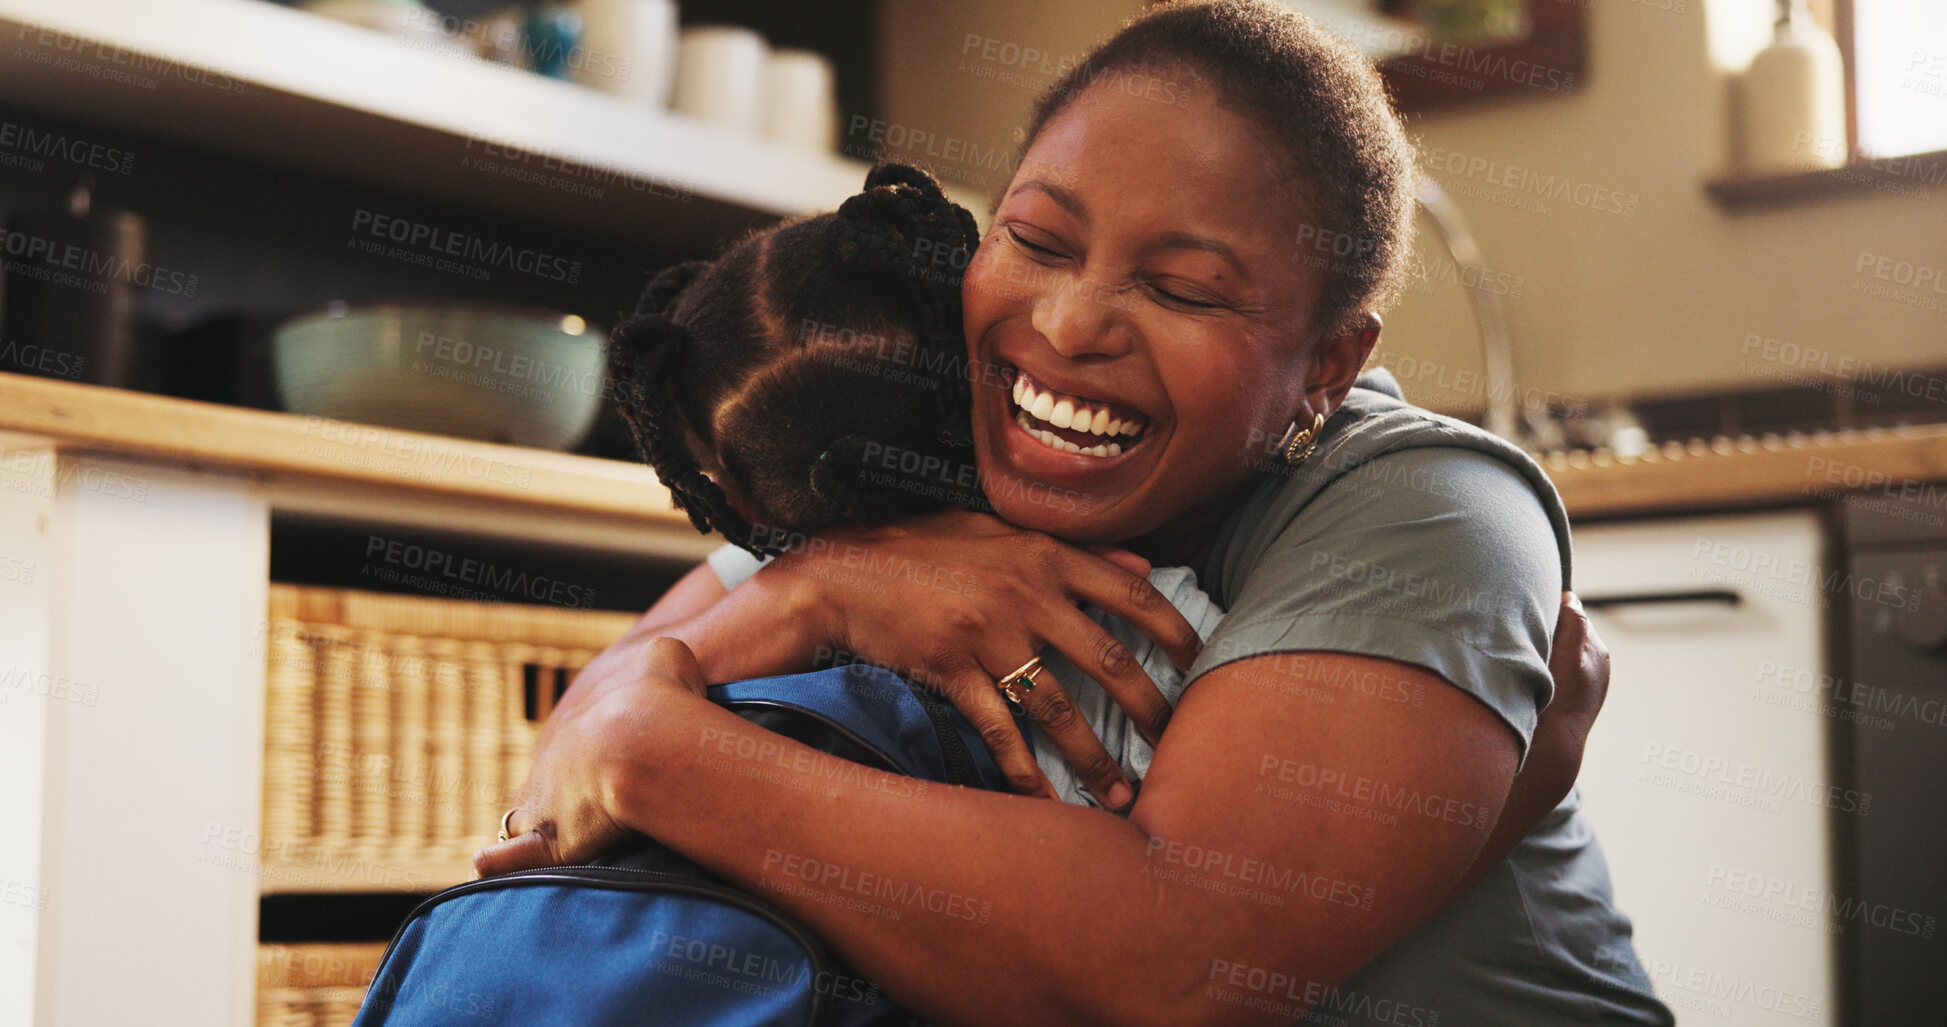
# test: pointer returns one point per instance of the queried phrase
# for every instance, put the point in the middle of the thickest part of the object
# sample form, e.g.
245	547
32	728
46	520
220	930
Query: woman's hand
956	600
1579	663
569	811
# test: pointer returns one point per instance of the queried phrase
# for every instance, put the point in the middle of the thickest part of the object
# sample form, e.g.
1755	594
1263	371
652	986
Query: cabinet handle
1709	595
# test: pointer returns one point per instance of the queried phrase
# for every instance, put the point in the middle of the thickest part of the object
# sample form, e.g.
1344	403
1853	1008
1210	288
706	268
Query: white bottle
1795	99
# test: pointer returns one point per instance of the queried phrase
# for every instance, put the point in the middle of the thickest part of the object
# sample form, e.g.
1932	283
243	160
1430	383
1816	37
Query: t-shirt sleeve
1439	557
732	565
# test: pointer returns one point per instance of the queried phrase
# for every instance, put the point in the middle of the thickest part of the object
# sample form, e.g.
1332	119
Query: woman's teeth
1057	442
1037	403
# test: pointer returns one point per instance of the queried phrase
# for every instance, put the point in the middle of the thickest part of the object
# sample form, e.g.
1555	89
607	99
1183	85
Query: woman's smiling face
1141	273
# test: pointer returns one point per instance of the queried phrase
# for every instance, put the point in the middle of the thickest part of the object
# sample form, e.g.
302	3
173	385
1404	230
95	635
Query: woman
1352	730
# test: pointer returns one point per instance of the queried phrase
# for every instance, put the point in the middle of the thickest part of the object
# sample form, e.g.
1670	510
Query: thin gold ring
505	825
1022	678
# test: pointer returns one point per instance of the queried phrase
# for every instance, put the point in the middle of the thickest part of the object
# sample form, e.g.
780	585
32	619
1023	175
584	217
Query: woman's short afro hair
1319	98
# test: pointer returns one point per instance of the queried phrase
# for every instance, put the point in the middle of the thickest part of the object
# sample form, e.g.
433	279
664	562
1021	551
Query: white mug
801	101
629	49
720	75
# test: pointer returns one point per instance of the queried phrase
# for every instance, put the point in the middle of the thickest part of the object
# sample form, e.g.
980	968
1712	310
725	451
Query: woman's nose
1079	317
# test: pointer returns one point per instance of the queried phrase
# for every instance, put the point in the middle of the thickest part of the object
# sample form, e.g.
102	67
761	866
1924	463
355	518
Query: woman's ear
1337	361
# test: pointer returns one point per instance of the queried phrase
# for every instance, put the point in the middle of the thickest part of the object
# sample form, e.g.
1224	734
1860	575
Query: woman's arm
695	610
1278	844
782	618
694	593
952	600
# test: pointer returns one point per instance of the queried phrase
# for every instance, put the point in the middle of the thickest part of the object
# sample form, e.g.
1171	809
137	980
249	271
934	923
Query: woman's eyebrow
1192	241
1068	201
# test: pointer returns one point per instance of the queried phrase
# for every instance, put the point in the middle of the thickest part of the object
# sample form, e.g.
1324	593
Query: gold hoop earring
1298	445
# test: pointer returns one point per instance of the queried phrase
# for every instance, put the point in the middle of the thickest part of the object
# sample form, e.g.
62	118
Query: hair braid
752	361
645	354
666	285
882	228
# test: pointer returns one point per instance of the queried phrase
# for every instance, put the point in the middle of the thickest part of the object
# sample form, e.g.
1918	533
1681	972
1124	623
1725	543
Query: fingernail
1120	795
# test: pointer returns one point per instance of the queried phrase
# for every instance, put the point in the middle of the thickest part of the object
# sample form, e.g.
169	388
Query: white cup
801	101
720	76
629	49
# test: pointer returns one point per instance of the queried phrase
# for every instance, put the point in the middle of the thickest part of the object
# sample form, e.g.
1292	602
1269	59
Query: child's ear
706	460
740	503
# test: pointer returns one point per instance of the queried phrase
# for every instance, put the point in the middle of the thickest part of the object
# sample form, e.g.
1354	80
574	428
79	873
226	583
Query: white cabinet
1707	777
132	718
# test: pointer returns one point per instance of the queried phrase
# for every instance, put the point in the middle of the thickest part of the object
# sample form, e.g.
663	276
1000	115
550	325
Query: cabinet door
1707	776
146	720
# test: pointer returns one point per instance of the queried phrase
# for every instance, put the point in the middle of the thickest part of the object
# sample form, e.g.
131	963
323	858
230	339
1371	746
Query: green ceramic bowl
500	374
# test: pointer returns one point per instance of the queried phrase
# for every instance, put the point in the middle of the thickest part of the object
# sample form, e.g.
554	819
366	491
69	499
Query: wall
1663	301
958	77
1656	301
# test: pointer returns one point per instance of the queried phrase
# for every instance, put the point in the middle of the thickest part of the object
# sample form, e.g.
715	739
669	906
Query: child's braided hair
819	362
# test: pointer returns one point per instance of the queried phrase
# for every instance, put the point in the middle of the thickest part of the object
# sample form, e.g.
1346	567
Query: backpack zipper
960	768
889	764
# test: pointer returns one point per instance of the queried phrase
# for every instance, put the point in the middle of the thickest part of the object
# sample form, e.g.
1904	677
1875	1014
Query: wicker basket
397	730
319	985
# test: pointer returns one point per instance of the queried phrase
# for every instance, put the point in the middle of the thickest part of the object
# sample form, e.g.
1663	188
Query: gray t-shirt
1422	539
1415	538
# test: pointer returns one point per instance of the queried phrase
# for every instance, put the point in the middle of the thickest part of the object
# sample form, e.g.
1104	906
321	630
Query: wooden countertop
1726	474
1768	471
94	419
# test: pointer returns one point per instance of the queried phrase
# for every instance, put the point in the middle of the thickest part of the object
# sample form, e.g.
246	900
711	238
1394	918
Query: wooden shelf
248	77
332	872
1919	175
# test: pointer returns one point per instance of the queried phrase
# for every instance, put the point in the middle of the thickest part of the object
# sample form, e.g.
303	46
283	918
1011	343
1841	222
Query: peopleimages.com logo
434	241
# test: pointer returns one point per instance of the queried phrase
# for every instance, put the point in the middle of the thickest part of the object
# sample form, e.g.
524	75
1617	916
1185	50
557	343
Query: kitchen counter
95	420
1724	474
1772	470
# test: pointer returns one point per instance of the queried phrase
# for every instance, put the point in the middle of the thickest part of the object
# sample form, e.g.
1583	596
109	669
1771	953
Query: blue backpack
643	935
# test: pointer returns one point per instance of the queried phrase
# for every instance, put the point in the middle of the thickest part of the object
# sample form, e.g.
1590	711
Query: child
815	373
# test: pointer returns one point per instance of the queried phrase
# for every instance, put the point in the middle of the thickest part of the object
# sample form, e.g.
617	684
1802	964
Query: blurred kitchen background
1693	253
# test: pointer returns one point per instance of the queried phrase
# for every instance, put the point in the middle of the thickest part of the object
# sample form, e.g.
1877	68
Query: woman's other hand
956	600
1579	663
569	812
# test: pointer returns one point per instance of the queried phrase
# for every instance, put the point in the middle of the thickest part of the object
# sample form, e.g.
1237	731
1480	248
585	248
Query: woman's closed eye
1172	292
1045	251
1176	295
